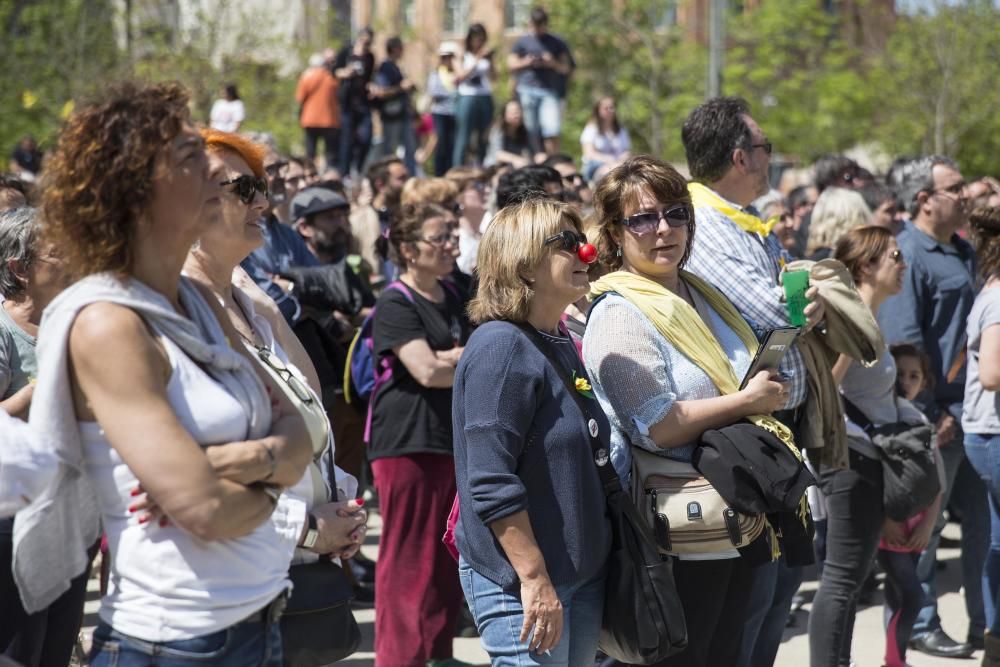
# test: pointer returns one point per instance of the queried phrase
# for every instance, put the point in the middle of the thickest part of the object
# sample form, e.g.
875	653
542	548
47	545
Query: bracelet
271	458
271	492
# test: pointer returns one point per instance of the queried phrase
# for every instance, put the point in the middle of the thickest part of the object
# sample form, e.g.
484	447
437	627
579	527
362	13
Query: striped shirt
745	268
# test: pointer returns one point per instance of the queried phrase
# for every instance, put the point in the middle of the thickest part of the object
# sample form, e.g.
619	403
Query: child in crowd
903	542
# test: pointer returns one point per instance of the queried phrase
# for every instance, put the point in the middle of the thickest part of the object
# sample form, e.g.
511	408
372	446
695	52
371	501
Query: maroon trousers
417	591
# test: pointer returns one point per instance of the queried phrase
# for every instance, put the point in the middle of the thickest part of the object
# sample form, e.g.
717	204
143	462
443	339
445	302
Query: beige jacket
848	328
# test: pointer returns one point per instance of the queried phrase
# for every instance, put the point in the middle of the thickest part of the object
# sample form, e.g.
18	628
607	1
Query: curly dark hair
99	180
622	186
985	228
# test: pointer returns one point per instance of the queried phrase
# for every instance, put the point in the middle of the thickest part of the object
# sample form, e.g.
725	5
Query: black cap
316	200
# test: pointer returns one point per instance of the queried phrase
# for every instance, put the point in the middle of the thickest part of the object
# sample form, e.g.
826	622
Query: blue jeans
774	586
355	139
241	645
970	494
473	115
499	616
542	114
983	452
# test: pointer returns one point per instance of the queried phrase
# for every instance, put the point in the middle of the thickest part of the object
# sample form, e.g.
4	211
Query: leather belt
270	613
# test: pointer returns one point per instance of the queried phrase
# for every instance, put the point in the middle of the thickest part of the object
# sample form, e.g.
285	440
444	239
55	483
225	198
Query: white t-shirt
478	81
227	115
609	144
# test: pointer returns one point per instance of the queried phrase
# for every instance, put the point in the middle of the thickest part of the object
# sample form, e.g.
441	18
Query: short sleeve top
407	417
18	365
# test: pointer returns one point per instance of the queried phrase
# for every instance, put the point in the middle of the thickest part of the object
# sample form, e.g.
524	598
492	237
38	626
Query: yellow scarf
679	323
704	197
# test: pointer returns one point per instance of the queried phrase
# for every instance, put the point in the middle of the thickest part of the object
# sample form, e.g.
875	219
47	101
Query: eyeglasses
957	189
677	215
572	179
281	370
247	187
274	169
766	146
442	239
568	240
896	256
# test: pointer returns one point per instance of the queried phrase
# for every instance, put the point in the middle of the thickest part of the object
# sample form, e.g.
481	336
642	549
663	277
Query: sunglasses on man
678	215
246	187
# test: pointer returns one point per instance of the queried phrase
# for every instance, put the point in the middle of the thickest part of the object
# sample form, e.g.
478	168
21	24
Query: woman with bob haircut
145	401
660	390
214	263
522	463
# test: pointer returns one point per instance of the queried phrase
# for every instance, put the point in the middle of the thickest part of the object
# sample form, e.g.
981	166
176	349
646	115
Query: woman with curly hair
149	406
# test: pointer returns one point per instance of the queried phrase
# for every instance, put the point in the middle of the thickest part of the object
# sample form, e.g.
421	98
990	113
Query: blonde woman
533	534
837	211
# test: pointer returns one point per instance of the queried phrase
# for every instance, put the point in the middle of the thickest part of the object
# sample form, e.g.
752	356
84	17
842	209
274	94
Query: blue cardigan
521	443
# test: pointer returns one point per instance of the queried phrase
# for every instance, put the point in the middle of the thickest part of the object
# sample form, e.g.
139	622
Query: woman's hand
543	612
894	532
763	395
450	356
244	462
342	527
816	310
146	507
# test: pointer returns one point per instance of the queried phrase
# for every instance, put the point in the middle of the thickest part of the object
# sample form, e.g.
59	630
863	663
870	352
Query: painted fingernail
143	519
163	522
133	508
136	491
359	502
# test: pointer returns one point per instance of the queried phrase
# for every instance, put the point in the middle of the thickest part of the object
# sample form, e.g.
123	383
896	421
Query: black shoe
363	596
977	643
939	644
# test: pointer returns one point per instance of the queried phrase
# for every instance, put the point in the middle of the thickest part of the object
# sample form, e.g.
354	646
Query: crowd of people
216	359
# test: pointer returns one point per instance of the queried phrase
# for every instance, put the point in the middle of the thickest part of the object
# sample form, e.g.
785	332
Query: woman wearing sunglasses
654	394
532	535
419	324
855	514
236	164
135	382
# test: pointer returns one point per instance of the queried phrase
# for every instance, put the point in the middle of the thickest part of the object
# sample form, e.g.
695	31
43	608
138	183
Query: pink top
911	525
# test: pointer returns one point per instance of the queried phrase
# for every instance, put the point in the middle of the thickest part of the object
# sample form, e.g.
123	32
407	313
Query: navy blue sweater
521	443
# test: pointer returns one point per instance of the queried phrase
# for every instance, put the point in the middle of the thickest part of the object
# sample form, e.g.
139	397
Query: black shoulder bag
910	480
643	619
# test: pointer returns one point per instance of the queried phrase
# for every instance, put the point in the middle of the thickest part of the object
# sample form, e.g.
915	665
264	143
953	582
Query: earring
618	252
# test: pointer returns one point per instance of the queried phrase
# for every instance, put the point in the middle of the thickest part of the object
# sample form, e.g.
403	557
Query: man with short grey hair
939	288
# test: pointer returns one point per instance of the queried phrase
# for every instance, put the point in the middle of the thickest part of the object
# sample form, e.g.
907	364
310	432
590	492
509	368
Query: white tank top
166	584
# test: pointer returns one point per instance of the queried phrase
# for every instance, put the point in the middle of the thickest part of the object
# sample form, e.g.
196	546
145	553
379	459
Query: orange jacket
317	96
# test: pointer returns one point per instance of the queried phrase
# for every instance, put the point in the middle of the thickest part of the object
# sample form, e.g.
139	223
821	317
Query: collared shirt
939	288
745	268
283	249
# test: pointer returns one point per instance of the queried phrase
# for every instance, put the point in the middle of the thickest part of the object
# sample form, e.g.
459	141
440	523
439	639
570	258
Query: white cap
448	49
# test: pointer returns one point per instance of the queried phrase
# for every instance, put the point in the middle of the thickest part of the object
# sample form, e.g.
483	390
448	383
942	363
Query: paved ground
868	634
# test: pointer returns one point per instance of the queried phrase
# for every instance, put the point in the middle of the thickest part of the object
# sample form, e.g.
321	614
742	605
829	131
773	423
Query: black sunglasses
677	215
568	240
247	187
766	146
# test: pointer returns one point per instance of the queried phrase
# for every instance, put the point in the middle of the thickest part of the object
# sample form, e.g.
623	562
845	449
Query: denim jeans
396	133
473	115
355	139
244	644
983	452
542	114
444	128
774	586
970	494
854	523
499	616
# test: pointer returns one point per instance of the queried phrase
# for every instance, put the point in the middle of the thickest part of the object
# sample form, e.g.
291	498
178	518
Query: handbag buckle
694	511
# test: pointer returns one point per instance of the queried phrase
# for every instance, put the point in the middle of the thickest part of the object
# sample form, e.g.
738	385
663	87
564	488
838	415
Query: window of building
456	16
408	12
517	13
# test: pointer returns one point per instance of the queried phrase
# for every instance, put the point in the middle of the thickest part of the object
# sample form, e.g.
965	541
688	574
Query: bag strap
609	478
856	415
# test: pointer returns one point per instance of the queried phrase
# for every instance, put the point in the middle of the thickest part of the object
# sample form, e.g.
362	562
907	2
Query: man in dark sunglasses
572	180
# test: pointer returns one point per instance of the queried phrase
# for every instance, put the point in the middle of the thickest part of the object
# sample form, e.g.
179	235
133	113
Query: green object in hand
796	283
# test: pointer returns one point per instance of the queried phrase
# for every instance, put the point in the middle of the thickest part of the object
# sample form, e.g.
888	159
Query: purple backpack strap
383	367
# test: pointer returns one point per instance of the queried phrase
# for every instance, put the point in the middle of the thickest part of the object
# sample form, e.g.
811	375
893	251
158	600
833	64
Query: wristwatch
312	533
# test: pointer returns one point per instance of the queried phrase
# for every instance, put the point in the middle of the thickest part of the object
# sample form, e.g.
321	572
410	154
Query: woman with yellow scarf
665	352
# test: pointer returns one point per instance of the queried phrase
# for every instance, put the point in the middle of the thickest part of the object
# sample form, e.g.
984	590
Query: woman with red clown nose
532	533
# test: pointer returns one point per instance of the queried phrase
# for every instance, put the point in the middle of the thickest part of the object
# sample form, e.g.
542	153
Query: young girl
903	542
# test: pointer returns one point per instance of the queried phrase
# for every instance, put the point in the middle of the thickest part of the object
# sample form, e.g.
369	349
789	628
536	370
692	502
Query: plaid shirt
745	268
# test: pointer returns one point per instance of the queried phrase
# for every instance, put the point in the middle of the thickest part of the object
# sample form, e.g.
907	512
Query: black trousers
854	525
331	144
45	638
714	594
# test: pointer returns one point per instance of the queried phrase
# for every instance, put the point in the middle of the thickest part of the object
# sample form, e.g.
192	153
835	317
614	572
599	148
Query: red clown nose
587	253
